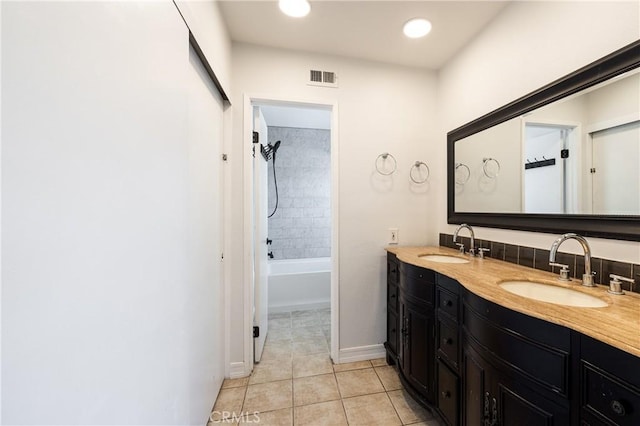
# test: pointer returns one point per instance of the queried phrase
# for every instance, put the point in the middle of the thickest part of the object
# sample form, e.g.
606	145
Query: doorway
293	214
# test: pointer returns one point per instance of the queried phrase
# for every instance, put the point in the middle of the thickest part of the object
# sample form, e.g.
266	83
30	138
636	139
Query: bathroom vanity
477	354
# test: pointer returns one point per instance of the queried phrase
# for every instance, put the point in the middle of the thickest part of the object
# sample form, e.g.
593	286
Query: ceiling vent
322	78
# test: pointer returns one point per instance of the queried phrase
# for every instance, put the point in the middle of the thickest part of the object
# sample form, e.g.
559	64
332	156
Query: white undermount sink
552	294
443	258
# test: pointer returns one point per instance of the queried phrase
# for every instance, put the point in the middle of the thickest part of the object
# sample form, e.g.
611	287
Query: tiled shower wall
301	227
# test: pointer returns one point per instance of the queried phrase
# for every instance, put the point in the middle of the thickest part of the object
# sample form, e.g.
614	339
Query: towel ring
384	157
491	174
459	179
416	166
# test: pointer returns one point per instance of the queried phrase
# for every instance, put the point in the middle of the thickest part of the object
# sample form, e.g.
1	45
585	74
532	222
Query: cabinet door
448	400
419	357
491	397
517	405
476	395
392	333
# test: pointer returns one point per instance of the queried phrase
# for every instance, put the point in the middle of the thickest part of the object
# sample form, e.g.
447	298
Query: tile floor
297	384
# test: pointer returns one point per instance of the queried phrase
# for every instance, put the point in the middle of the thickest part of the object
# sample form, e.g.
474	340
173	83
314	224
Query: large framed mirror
563	158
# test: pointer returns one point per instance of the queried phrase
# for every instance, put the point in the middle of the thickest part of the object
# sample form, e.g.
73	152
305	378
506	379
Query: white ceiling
369	30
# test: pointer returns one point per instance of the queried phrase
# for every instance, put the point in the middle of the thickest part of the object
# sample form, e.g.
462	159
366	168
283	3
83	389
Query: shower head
272	149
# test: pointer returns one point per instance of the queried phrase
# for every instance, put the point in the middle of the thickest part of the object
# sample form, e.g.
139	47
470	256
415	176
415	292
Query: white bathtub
299	284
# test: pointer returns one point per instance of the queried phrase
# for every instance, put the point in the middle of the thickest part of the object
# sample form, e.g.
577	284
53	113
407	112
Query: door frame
574	198
588	135
247	140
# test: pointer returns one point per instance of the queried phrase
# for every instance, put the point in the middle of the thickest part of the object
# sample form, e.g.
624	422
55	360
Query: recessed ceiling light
417	27
294	8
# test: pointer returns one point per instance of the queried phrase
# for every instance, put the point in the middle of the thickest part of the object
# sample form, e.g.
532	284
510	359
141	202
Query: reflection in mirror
578	155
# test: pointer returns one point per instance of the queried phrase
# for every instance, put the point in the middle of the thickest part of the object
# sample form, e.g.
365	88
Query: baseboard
300	307
361	353
236	370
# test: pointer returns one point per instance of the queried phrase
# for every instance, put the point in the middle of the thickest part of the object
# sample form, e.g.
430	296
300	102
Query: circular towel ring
464	178
384	157
491	167
416	166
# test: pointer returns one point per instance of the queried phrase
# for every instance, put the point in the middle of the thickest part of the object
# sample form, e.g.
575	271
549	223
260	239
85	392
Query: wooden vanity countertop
617	324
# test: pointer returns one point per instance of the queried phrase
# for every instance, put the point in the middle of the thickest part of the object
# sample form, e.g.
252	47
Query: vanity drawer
417	283
392	331
447	394
533	348
610	398
393	269
447	302
448	342
392	296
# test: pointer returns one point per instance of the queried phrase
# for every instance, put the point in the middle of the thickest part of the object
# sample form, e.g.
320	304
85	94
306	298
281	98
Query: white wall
527	46
205	21
110	243
381	108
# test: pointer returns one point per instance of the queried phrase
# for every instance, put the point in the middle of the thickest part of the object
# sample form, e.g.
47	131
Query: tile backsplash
539	259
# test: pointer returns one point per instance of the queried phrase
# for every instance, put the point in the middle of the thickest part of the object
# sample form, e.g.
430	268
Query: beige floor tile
358	382
279	315
322	414
304	321
311	365
269	396
279	323
310	313
369	410
278	335
310	345
272	371
283	417
379	362
314	389
277	351
229	402
358	365
302	333
389	378
235	383
408	410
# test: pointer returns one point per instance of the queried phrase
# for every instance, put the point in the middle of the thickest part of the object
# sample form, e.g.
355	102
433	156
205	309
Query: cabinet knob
618	408
447	303
446	394
447	340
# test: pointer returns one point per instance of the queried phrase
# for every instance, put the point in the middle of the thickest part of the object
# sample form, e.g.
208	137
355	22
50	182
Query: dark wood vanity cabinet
609	385
416	319
515	368
477	363
393	328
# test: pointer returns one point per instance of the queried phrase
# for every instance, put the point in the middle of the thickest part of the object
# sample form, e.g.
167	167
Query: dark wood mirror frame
602	226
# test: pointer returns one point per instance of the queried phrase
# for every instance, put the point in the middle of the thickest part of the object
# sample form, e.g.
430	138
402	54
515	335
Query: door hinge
564	153
256	137
592	170
256	331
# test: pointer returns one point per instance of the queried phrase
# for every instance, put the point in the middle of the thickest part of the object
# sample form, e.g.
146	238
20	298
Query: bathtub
299	284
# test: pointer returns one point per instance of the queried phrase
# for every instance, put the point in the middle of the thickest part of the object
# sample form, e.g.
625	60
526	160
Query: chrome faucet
587	277
472	250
